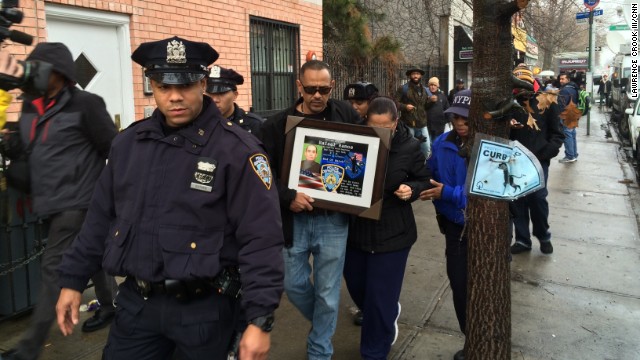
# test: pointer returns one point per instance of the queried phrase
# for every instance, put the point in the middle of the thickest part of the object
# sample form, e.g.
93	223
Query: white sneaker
567	160
395	325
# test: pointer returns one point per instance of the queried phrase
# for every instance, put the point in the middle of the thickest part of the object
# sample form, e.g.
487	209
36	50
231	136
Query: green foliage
346	31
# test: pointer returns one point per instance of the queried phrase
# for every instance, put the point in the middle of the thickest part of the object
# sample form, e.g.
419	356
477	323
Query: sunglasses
312	90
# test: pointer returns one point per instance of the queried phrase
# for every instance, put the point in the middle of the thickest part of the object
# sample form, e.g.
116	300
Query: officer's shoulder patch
260	165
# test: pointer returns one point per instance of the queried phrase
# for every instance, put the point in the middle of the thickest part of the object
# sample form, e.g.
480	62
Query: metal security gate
22	241
275	54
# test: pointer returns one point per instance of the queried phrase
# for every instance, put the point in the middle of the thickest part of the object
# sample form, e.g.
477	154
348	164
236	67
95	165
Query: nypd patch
260	165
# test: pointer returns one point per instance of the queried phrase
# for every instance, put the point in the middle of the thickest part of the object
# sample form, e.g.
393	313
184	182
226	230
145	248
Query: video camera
35	76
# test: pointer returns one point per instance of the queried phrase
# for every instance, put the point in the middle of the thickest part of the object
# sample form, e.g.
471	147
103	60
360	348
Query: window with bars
275	49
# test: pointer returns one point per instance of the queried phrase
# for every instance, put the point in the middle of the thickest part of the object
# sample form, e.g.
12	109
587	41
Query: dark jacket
273	136
416	95
183	206
435	113
453	93
396	228
74	133
248	121
604	87
450	169
568	93
544	143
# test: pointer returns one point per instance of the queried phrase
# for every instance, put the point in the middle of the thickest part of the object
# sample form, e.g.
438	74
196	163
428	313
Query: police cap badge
175	60
222	80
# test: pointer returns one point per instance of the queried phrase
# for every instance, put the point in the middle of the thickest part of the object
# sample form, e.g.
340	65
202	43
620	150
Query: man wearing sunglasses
308	230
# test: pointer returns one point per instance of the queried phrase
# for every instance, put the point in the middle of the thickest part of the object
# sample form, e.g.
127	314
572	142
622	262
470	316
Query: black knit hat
58	55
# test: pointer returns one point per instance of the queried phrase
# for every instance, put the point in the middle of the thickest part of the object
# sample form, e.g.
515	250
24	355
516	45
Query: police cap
175	61
360	91
222	80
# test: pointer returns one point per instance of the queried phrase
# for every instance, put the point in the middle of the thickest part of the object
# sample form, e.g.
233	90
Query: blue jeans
570	143
323	235
532	207
425	146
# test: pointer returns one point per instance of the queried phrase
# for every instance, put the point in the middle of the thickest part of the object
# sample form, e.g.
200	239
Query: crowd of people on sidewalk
195	208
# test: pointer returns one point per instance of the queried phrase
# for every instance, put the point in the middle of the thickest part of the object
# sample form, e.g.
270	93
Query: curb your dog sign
502	169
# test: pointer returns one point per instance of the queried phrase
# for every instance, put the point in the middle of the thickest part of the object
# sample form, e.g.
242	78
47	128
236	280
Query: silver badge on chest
204	175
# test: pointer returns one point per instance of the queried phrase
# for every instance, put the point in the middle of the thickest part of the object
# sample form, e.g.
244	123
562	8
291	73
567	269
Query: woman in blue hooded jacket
449	171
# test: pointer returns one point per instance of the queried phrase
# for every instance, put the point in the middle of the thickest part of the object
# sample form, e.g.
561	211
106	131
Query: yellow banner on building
519	38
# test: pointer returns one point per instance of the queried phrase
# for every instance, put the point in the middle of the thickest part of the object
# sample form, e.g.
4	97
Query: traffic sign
585	15
619	27
598	48
591	4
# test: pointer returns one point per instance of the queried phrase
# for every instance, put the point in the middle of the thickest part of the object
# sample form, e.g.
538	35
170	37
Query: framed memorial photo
341	166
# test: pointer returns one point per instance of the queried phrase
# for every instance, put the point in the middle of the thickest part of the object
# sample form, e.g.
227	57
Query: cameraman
12	68
65	137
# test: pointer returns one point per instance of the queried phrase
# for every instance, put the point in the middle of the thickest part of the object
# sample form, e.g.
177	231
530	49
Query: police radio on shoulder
265	322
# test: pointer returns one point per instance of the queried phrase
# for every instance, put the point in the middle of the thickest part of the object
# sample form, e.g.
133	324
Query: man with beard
412	98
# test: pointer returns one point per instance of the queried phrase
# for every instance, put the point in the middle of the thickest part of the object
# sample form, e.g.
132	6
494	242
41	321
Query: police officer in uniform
187	210
222	88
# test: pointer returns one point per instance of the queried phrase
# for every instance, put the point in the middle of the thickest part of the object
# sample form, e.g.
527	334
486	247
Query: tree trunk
489	299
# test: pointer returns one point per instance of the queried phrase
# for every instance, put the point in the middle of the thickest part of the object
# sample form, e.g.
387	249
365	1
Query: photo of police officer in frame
352	161
310	165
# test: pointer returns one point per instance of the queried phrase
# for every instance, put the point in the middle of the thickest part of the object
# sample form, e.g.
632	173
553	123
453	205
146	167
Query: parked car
633	118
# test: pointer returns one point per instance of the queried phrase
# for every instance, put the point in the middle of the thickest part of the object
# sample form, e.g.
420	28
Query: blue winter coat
450	169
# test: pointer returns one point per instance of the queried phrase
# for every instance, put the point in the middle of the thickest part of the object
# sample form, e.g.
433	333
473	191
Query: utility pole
592	50
591	5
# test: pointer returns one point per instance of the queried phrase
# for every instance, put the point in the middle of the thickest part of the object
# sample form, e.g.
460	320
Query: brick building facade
264	40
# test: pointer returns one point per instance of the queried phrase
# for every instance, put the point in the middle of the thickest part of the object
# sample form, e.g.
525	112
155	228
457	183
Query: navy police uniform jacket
183	206
248	121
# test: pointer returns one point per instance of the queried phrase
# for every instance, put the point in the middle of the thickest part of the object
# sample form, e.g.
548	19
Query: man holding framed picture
309	231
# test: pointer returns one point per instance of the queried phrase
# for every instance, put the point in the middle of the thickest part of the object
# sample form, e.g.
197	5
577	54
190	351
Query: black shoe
101	319
8	355
357	318
459	355
518	248
546	247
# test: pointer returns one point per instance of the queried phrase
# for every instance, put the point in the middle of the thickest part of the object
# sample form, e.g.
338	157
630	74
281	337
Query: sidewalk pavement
581	302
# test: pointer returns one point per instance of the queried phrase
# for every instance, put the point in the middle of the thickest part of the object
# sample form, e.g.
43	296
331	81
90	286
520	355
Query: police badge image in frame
352	163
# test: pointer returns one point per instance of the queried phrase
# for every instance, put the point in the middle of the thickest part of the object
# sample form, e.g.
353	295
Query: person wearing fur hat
360	95
66	135
544	142
412	98
436	106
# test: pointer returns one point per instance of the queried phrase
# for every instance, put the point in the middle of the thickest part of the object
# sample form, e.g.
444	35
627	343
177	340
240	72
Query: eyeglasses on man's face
312	90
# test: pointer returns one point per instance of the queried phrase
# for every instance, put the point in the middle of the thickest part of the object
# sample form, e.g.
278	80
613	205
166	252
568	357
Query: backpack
583	102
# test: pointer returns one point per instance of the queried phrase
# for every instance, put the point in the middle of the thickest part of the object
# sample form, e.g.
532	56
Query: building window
275	49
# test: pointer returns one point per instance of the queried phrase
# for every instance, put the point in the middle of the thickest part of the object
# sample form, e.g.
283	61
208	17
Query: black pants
155	328
63	228
456	253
